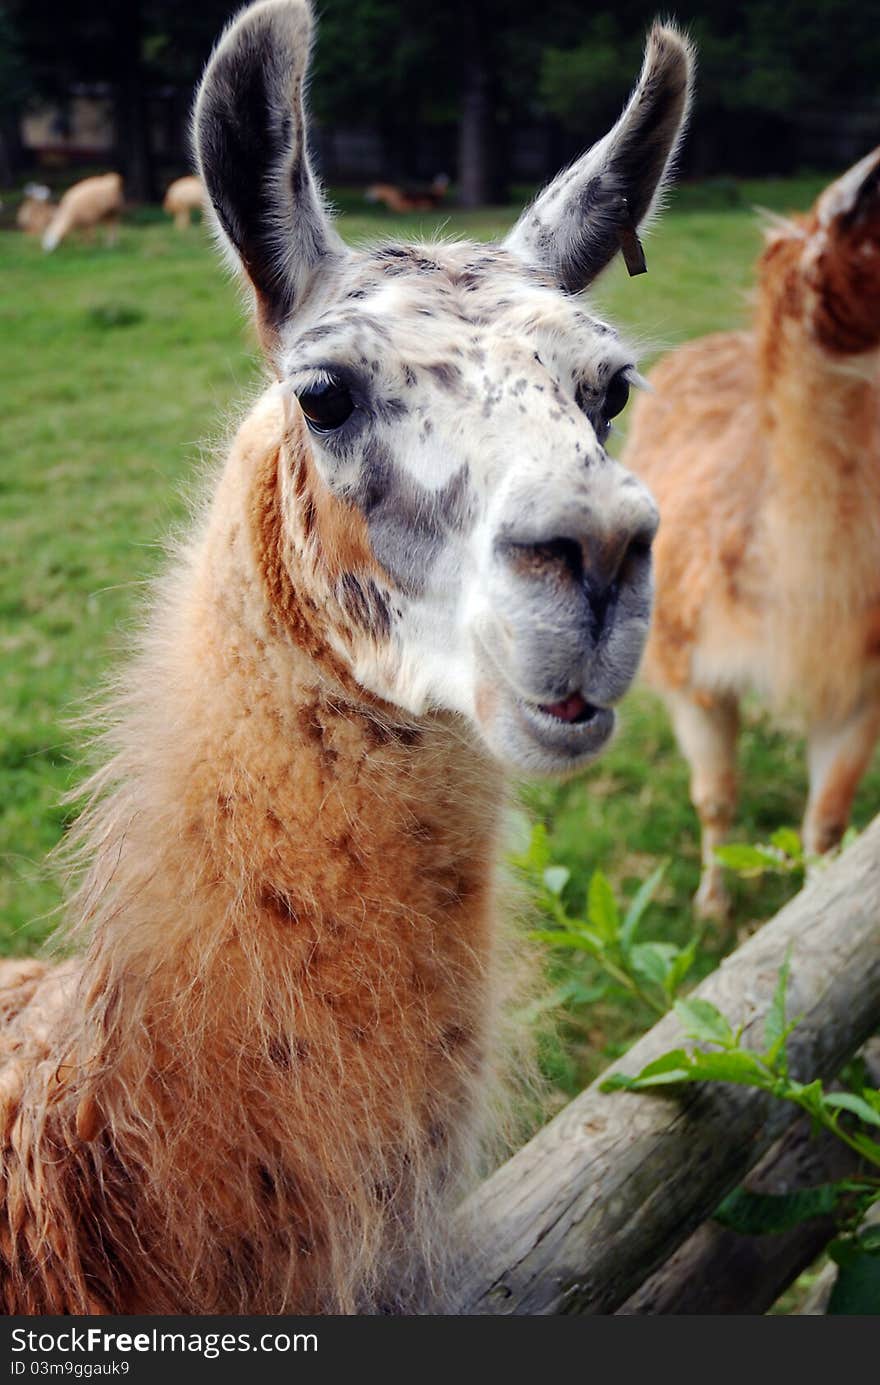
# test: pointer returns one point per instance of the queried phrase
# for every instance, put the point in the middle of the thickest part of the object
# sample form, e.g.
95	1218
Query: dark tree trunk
400	143
475	121
131	108
12	157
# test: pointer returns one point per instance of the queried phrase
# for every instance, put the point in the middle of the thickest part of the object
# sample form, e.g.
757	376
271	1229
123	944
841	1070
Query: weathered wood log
608	1190
816	1302
819	1297
719	1271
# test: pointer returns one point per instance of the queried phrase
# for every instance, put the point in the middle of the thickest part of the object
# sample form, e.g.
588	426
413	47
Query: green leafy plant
782	855
853	1116
652	970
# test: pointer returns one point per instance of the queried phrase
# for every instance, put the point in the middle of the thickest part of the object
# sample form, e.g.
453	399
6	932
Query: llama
265	1083
91	202
183	197
405	199
763	450
36	209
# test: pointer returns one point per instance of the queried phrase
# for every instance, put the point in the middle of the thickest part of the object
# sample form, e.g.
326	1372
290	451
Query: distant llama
268	1080
92	202
183	197
763	451
407	199
36	209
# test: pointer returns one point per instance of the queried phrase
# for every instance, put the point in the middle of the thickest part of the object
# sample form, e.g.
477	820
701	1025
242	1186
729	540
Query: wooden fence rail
581	1216
719	1271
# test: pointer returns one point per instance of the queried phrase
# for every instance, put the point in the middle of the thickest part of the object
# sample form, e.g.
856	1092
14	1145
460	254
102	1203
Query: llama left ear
594	208
250	142
852	202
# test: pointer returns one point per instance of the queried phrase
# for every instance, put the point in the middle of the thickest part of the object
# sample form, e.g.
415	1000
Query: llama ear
840	265
852	202
250	142
594	208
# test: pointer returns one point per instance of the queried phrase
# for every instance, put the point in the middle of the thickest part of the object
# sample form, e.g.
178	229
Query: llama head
447	406
823	271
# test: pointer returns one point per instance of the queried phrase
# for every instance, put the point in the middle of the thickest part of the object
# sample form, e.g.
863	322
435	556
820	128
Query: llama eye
615	402
326	406
616	396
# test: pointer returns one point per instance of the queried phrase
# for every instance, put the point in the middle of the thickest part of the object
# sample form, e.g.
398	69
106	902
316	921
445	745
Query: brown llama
405	199
36	209
183	197
266	1081
92	202
763	451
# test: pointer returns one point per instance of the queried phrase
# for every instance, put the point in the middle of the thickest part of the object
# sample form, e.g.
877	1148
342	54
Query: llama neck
820	411
819	416
292	937
245	760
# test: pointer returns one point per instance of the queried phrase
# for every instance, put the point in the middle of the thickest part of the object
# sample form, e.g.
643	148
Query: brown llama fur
279	1056
97	201
183	197
244	851
763	451
36	210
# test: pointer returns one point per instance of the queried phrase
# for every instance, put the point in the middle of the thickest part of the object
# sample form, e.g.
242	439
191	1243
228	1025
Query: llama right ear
594	208
250	142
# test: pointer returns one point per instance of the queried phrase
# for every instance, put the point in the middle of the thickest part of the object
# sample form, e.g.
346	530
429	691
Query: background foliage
472	73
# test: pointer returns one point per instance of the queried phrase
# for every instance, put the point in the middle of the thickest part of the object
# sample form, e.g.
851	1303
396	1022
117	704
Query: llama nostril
599	565
553	558
636	555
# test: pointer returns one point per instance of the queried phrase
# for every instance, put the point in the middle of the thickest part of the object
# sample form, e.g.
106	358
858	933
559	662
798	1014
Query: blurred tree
15	86
468	73
762	65
471	64
134	47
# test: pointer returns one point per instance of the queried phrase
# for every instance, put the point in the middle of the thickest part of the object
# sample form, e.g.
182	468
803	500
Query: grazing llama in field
763	451
183	197
93	202
263	1086
403	199
36	210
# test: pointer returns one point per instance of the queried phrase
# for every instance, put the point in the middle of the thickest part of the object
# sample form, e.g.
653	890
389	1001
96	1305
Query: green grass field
120	368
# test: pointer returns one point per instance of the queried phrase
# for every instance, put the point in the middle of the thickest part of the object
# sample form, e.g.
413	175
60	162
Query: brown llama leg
838	755
707	731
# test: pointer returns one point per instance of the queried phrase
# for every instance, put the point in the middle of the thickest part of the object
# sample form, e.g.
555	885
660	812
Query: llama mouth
574	710
542	736
572	727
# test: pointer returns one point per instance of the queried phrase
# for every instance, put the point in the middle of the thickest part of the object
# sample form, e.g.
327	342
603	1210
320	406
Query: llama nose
598	564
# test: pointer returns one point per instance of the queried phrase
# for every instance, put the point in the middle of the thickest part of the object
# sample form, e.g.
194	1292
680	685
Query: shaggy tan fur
263	1048
763	450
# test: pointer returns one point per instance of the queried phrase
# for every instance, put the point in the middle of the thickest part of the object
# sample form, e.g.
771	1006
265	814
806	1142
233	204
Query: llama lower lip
583	731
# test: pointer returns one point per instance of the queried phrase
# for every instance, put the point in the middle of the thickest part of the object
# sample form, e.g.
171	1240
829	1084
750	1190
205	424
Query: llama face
459	403
455	400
